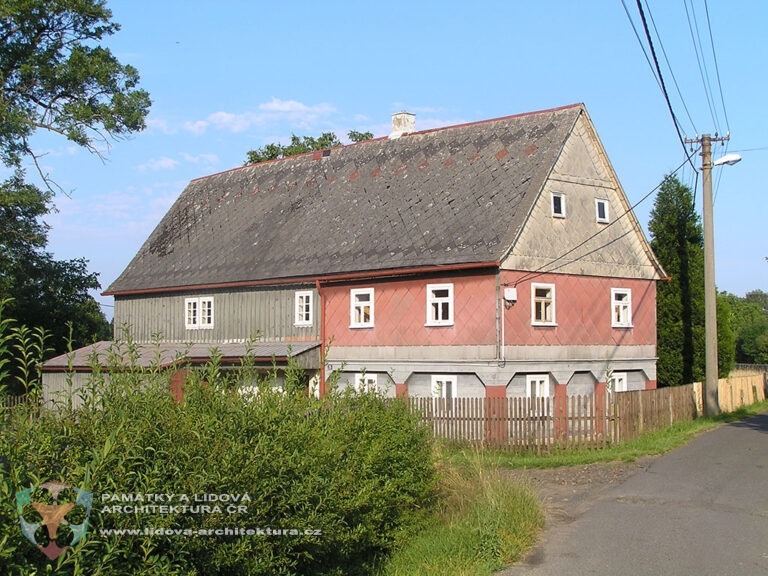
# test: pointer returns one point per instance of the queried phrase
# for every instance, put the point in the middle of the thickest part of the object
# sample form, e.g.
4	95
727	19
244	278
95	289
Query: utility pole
711	403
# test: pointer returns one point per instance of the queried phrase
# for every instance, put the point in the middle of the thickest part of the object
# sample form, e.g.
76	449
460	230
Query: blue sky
226	77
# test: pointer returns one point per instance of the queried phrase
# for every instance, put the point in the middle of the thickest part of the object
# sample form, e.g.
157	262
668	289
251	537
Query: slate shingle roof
454	195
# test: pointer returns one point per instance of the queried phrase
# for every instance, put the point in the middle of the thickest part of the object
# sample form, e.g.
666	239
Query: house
490	259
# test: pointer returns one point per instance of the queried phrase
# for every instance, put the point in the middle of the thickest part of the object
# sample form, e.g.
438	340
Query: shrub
357	468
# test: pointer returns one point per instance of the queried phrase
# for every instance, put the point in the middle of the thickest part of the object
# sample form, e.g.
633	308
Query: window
365	382
601	210
198	313
537	392
439	304
621	308
617	382
543	304
303	308
443	386
537	386
558	205
361	308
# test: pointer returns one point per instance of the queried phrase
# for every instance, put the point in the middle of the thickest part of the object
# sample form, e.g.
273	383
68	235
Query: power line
661	77
541	270
669	67
717	68
639	41
696	40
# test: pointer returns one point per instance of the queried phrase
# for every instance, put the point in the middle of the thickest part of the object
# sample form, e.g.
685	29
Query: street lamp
729	159
711	403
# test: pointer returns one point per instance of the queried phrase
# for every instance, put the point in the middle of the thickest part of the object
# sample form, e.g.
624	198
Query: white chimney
402	123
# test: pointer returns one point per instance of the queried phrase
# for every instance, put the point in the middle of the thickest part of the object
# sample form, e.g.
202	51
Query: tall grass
484	521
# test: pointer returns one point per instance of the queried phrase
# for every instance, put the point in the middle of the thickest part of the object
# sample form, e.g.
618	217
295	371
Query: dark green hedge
357	468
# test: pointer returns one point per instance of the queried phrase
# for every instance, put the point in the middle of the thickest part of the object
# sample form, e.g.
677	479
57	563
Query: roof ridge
380	138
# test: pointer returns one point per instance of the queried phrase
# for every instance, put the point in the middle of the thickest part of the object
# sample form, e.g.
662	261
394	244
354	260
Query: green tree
677	238
57	76
301	145
356	136
749	321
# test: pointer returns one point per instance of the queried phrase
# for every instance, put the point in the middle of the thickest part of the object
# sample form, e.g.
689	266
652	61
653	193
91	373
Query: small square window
602	213
198	313
439	304
558	205
617	382
303	308
361	308
365	382
621	308
543	304
443	386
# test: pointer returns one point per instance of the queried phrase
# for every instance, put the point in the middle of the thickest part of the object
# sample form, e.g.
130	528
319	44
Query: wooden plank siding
239	314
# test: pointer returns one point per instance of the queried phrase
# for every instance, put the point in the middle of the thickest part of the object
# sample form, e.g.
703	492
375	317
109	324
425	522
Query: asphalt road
699	510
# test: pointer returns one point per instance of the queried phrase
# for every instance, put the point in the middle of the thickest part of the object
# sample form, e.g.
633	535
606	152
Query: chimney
402	123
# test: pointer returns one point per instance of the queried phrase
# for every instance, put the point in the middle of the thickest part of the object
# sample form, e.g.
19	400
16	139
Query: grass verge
651	443
484	522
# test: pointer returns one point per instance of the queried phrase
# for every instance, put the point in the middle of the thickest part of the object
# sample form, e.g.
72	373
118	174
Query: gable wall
239	314
582	174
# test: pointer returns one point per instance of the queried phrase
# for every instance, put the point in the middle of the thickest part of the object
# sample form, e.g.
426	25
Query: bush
356	468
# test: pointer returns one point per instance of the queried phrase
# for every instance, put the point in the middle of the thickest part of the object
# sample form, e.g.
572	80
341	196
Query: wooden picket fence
10	400
525	424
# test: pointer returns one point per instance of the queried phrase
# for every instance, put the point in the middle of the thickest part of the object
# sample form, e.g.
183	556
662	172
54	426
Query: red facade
583	308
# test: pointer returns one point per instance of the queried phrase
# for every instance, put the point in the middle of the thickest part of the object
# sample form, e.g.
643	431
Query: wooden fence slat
536	424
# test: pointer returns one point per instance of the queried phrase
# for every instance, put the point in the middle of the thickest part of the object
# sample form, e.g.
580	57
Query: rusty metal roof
449	196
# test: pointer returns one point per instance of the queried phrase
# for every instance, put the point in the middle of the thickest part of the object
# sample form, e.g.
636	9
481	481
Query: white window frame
303	308
606	208
355	305
197	320
621	309
617	382
532	384
562	212
444	386
543	322
366	382
538	386
435	305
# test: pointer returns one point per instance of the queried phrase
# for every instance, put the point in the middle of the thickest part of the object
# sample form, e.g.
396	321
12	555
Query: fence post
178	379
600	412
494	420
561	412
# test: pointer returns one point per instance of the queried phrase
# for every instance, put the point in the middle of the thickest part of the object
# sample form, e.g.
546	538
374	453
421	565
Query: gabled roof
450	196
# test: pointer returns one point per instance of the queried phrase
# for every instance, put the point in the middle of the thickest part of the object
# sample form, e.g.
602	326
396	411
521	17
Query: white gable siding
581	174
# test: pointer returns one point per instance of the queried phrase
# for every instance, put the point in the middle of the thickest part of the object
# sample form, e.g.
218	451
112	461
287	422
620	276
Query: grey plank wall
238	315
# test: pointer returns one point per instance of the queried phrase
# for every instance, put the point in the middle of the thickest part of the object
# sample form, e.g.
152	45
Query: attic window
602	214
558	205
